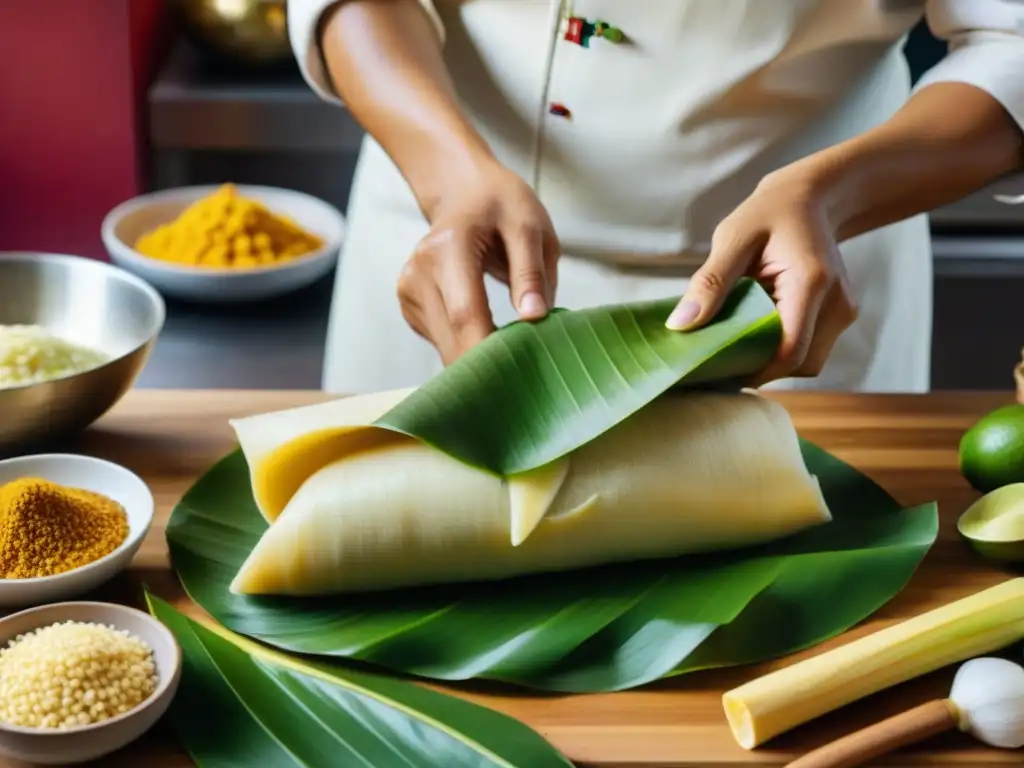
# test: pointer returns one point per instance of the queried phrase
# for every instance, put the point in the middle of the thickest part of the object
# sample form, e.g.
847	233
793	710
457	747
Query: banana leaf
600	629
535	391
524	397
240	704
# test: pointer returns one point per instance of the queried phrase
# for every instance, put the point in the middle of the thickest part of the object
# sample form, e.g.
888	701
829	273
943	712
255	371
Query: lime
994	524
992	451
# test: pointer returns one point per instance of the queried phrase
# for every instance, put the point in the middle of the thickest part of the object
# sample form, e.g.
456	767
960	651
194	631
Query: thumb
527	278
710	285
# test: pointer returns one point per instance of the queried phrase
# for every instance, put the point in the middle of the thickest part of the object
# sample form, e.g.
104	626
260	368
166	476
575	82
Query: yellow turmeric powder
47	528
225	229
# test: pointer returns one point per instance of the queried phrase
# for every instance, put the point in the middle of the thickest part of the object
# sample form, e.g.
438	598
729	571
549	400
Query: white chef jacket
638	148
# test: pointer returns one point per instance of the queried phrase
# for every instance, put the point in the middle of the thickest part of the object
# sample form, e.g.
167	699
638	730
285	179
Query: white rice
30	354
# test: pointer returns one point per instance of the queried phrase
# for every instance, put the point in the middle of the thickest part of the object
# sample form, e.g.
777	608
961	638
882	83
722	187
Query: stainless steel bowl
87	302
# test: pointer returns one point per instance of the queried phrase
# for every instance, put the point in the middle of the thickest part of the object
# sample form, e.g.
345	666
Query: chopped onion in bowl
30	354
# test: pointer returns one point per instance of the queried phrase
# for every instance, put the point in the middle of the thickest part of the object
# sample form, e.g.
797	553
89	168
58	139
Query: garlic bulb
989	693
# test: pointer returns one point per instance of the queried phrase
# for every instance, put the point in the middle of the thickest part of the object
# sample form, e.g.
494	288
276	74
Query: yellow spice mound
46	528
73	674
226	229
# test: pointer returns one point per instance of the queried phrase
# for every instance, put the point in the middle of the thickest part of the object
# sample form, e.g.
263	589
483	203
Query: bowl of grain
225	243
68	524
74	335
80	680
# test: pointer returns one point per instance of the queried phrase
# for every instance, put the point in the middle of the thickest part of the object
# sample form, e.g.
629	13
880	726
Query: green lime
994	524
992	451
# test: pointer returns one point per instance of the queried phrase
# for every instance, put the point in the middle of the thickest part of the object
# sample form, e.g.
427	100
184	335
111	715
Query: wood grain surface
906	443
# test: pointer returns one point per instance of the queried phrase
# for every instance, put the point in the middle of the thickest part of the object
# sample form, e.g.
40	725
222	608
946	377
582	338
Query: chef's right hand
492	224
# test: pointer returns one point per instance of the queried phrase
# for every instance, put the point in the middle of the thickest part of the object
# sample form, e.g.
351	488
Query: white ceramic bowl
94	475
89	742
125	223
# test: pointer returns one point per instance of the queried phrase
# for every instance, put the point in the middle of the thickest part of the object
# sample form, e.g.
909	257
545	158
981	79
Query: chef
526	154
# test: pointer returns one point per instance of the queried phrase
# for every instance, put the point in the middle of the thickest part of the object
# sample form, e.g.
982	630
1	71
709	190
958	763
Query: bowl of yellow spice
68	524
80	680
226	243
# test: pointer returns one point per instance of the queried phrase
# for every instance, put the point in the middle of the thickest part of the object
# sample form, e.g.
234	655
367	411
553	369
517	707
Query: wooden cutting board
906	443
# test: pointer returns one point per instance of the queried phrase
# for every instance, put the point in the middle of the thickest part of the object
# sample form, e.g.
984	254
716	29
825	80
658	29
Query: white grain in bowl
89	742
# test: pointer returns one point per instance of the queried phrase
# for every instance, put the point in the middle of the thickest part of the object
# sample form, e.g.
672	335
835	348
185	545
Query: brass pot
248	33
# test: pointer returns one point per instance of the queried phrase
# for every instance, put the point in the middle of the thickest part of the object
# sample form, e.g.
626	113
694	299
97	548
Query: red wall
72	94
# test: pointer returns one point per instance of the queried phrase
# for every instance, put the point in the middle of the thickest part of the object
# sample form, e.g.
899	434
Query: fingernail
532	305
684	314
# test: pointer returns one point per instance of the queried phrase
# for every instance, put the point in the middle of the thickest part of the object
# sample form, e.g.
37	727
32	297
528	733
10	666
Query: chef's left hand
781	236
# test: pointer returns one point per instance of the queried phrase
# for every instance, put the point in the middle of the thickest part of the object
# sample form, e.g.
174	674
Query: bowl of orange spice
226	243
68	523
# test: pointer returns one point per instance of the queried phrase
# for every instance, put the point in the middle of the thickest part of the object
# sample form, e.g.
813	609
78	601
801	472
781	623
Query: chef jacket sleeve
304	27
986	50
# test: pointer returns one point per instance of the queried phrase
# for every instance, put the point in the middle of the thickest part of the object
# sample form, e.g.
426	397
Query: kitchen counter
269	345
907	444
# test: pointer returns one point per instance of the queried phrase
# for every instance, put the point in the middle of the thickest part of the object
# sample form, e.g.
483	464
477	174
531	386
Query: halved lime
994	524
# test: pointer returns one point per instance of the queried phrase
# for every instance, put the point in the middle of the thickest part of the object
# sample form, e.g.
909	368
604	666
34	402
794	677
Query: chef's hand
491	224
781	236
